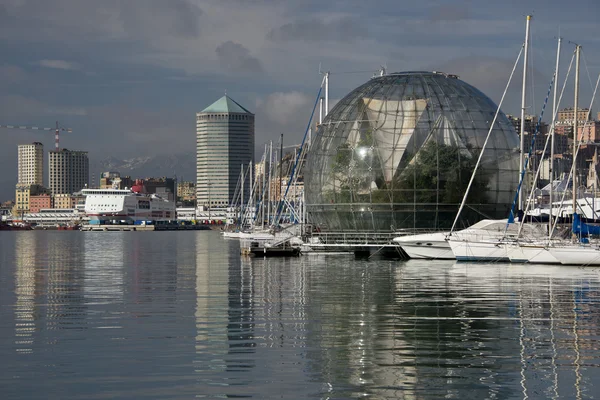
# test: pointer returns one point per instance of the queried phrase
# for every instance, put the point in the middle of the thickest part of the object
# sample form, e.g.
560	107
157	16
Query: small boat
430	246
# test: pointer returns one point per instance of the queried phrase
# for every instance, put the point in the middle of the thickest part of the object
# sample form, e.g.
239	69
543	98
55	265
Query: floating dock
145	228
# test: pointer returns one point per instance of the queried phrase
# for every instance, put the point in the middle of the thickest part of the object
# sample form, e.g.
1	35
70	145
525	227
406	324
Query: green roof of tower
226	105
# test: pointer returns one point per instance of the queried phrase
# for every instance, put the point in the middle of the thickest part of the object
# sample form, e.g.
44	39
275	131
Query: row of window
231	117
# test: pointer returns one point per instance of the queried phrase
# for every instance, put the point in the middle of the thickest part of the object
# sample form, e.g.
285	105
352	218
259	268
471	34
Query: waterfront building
64	201
52	217
163	187
186	192
398	152
68	171
114	180
567	114
23	194
31	164
224	142
37	202
186	213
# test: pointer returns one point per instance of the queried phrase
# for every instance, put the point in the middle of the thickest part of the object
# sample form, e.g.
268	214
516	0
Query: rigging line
279	211
537	174
552	131
555	113
586	70
531	146
531	74
464	200
575	158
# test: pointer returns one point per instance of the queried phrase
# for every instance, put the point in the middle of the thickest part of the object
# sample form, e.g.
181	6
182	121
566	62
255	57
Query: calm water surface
105	315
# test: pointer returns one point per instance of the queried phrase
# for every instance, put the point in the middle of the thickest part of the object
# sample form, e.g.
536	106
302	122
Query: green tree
440	174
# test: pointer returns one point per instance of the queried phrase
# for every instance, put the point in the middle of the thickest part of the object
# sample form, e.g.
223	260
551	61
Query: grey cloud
236	58
13	106
101	20
11	74
58	64
149	17
345	29
449	12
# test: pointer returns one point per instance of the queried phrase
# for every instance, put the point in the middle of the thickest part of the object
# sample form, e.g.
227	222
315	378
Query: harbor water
180	315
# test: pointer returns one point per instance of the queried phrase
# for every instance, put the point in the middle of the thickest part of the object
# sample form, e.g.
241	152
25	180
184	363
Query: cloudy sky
128	75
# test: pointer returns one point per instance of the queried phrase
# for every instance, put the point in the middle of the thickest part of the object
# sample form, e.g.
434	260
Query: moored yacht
431	246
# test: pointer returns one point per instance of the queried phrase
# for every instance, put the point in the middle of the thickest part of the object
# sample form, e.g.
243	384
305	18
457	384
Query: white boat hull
576	255
429	246
529	253
478	250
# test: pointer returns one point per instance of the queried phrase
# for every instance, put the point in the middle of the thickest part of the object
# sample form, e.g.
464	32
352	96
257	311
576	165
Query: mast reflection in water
181	314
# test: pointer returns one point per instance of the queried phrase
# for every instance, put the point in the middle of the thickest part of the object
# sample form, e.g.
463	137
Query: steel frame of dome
356	172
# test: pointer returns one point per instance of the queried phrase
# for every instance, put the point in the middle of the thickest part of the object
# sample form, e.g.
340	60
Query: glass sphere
399	151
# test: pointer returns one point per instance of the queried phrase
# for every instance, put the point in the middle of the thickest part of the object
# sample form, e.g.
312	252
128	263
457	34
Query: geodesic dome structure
398	152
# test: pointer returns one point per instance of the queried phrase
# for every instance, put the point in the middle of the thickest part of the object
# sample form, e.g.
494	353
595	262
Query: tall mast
554	111
575	127
326	93
269	182
523	99
320	110
242	200
252	189
280	169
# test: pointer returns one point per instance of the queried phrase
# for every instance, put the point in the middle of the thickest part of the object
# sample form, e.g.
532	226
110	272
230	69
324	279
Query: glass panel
398	152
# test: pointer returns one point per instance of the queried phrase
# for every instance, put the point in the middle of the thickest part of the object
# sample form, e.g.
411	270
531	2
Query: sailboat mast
575	127
523	100
242	200
269	180
554	111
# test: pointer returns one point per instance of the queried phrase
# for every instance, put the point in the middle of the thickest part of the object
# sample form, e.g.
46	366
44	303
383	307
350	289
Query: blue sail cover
583	229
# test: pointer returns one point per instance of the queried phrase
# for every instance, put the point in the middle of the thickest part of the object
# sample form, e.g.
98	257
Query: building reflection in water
29	283
104	254
250	322
47	286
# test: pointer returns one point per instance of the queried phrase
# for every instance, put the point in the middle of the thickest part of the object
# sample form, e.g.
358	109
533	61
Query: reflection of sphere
362	172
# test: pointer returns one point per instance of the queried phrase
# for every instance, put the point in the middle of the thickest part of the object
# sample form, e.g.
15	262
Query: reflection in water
181	314
28	282
104	255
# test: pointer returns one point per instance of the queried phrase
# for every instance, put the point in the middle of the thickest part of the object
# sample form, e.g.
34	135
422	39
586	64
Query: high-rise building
31	164
68	171
224	142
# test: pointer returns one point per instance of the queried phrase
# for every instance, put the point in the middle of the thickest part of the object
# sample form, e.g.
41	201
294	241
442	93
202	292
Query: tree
440	174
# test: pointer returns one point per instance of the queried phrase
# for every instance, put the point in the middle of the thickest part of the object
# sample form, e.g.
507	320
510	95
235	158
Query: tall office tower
31	164
68	171
224	141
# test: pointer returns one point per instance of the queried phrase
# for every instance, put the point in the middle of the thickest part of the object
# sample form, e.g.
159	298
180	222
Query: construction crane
56	129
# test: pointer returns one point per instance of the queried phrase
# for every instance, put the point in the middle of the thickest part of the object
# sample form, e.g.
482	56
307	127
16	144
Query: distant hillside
181	165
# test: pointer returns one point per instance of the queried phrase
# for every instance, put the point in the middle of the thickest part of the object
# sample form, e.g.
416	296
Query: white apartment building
31	164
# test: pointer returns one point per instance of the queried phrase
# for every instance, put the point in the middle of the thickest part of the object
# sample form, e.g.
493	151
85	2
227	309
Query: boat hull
577	255
429	246
493	251
529	253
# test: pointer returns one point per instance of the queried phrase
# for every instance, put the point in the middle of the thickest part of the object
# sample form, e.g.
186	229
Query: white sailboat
525	249
478	244
579	252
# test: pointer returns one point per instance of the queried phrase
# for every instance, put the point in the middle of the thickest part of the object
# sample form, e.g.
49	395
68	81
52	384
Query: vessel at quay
115	206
